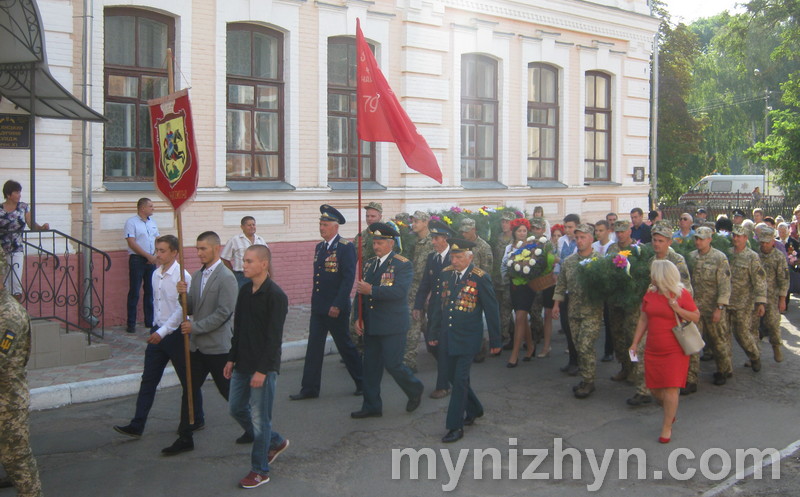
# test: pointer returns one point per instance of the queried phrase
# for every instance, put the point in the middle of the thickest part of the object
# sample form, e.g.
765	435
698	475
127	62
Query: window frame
255	82
476	100
350	91
546	106
595	111
137	72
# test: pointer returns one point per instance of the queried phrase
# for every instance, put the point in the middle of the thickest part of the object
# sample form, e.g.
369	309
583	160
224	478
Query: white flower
526	269
517	268
510	262
531	262
519	244
537	252
542	240
532	238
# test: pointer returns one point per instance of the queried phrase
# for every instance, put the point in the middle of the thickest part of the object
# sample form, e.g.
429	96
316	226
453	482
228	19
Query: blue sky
689	10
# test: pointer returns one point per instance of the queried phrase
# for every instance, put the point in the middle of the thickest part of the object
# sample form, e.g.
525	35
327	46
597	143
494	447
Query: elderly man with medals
466	293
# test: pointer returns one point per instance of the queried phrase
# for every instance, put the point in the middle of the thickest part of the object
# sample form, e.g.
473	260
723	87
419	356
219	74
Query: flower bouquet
531	262
620	279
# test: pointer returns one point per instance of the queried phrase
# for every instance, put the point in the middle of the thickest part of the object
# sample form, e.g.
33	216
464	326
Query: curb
120	386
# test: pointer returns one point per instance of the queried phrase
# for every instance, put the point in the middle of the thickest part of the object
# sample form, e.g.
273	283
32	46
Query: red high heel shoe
663	440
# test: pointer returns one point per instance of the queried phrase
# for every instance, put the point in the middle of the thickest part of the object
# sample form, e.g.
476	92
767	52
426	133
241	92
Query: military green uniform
622	322
15	348
748	288
482	255
711	277
501	290
422	248
776	271
585	318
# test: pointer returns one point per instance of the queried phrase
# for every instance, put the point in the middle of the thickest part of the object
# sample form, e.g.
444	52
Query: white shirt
382	260
167	311
601	249
144	233
207	273
234	250
443	253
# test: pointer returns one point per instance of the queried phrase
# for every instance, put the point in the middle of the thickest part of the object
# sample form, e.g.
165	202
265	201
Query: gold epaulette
344	241
400	258
478	272
448	268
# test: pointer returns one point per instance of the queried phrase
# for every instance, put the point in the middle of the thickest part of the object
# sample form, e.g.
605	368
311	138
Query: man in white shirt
140	234
602	237
165	342
233	253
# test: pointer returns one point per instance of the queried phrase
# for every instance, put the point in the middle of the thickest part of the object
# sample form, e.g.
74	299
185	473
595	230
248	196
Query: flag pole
179	226
360	242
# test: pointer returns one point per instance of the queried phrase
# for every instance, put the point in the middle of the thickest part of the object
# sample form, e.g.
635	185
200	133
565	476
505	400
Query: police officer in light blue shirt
141	233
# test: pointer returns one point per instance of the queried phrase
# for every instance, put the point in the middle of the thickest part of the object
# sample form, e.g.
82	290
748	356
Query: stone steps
52	346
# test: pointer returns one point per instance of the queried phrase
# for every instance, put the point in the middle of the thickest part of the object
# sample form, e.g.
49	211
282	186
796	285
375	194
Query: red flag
382	119
174	150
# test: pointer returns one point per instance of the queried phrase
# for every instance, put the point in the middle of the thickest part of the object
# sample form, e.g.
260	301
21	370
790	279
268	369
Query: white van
730	187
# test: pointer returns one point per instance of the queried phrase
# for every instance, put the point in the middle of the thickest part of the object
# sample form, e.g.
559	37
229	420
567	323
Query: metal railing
62	279
772	206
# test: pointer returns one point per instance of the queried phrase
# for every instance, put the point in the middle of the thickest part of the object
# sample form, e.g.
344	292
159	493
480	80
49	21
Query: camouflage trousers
503	294
537	321
694	369
740	322
718	339
623	326
585	331
771	322
637	368
16	455
415	330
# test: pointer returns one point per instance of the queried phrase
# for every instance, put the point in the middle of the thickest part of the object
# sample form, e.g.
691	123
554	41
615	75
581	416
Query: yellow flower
447	220
525	253
483	212
519	257
467	211
400	223
626	253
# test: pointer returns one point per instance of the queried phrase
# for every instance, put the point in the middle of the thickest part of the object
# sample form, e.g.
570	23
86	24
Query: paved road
333	455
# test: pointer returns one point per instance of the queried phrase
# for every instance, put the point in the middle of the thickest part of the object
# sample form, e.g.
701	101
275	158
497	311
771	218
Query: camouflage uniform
501	290
748	287
482	254
622	322
585	318
422	248
777	278
711	276
15	348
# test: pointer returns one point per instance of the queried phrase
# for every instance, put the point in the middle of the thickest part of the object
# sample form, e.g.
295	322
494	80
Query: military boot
776	349
584	390
622	375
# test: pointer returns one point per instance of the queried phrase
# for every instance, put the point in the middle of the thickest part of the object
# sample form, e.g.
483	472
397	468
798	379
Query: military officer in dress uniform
482	253
436	261
334	273
15	348
466	295
373	213
383	321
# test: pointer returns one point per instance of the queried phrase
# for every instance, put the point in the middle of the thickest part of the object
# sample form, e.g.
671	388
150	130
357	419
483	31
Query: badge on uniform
387	278
7	341
468	296
331	263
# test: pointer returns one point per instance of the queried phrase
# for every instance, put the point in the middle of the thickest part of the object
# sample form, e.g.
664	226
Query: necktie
458	279
439	259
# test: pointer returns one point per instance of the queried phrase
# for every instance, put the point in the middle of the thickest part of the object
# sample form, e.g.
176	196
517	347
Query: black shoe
719	379
5	482
130	330
639	400
510	364
413	403
756	365
453	436
303	396
180	445
359	391
495	354
129	431
690	388
195	427
365	414
707	357
569	367
573	370
607	358
509	345
470	420
246	438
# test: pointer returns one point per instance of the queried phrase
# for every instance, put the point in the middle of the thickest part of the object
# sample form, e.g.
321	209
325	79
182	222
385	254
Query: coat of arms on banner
175	158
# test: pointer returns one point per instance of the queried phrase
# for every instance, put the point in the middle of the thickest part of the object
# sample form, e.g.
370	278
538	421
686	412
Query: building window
136	43
254	118
343	140
478	118
597	129
542	122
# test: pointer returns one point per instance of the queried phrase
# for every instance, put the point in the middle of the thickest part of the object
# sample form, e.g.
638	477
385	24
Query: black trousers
202	364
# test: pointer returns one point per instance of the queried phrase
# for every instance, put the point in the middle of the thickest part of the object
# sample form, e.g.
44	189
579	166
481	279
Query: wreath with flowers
620	280
530	259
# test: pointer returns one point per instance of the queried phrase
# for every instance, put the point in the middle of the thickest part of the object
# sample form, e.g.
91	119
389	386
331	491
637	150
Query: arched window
479	117
254	117
597	129
542	122
342	107
136	43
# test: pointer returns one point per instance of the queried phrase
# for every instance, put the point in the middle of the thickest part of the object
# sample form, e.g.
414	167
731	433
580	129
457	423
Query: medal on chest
467	297
331	263
387	278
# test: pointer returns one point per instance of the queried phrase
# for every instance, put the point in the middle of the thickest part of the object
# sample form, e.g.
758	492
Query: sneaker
128	430
274	453
253	480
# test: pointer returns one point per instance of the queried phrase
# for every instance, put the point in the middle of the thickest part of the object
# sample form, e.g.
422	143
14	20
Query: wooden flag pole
179	225
359	272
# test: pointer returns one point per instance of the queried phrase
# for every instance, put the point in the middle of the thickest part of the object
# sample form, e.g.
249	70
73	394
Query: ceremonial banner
174	150
382	119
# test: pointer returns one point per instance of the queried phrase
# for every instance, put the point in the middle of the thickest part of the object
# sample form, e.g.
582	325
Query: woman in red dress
666	364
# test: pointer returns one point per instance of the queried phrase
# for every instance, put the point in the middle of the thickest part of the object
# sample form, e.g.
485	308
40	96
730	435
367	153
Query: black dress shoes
413	403
470	420
303	396
246	438
180	445
128	430
365	414
453	436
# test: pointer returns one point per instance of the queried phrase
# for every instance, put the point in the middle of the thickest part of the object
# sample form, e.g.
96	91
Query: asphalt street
529	410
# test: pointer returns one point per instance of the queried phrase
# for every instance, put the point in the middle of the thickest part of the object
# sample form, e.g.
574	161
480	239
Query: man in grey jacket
211	300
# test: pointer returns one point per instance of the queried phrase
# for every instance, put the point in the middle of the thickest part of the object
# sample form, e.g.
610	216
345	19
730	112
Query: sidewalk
119	375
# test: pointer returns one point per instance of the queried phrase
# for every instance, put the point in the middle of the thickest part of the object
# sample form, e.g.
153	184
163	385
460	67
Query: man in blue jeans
254	362
140	234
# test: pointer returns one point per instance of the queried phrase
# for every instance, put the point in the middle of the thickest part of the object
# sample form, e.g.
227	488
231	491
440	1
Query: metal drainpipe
86	163
654	120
